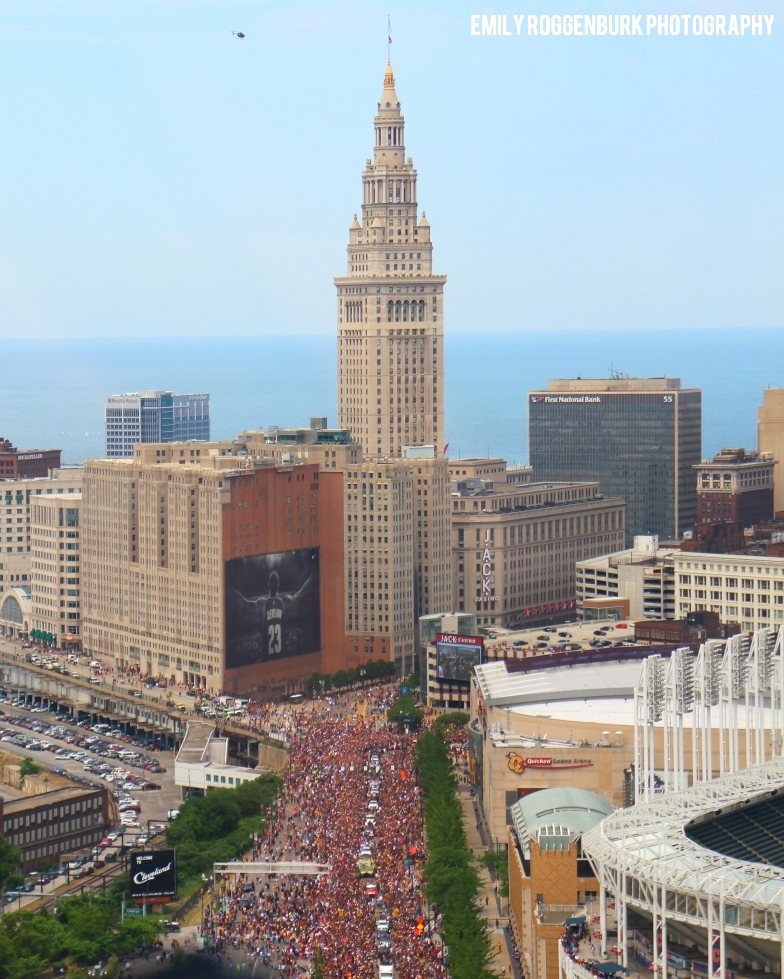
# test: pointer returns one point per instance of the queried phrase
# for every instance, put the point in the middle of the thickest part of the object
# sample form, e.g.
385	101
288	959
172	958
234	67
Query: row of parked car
80	742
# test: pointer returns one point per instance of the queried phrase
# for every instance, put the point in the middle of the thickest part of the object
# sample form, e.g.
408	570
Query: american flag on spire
389	30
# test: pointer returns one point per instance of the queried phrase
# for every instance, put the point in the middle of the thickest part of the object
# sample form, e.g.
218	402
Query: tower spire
390	304
389	40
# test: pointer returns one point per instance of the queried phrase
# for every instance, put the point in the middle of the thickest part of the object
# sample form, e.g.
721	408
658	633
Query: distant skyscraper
770	438
154	416
639	438
390	305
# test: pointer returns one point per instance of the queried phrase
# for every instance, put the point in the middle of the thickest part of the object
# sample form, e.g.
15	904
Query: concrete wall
275	759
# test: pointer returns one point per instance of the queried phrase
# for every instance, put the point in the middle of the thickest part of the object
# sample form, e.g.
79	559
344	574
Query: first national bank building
638	437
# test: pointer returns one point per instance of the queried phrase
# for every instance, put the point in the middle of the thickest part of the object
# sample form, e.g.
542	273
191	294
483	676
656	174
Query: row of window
762	584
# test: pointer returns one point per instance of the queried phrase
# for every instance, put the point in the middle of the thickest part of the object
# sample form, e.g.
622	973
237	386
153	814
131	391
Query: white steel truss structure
642	857
728	687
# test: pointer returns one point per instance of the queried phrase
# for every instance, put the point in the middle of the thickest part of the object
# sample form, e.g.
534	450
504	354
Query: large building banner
272	607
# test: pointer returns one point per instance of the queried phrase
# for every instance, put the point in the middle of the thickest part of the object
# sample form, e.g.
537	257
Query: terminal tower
390	305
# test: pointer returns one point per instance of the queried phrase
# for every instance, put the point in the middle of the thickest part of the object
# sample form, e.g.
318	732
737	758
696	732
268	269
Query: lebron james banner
272	607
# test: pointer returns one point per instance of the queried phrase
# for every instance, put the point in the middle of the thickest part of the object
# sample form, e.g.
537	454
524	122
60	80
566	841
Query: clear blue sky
160	176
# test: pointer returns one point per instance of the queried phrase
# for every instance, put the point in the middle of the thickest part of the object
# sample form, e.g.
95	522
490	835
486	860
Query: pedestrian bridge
280	867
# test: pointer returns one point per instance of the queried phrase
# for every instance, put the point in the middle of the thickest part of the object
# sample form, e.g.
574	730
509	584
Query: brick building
735	486
549	879
53	823
213	569
27	464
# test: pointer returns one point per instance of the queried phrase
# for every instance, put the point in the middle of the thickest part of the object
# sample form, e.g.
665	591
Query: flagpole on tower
389	40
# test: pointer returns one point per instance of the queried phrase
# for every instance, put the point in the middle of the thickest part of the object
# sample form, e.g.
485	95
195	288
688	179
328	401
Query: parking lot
138	773
570	636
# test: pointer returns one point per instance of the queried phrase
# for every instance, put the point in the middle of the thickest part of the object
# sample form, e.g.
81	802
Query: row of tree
219	825
87	929
451	878
371	672
83	931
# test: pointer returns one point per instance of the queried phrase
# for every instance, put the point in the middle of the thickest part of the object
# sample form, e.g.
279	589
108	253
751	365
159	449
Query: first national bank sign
566	399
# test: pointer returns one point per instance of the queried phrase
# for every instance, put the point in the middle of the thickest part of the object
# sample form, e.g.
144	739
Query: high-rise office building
390	305
770	438
154	416
56	570
638	438
396	529
514	545
212	569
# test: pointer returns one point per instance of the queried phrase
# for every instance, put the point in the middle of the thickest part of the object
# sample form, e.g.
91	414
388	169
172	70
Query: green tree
405	709
10	856
451	879
90	934
29	767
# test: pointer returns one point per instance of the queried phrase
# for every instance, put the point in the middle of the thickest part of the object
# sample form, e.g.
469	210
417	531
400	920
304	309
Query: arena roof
566	691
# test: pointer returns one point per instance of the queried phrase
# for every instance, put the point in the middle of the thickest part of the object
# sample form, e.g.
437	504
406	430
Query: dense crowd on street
322	818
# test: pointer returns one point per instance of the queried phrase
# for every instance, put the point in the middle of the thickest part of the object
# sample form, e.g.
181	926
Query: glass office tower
639	438
154	416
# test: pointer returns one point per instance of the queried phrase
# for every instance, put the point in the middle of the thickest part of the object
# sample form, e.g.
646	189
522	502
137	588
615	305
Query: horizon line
310	333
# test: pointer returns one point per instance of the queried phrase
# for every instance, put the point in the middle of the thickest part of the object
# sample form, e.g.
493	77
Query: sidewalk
495	909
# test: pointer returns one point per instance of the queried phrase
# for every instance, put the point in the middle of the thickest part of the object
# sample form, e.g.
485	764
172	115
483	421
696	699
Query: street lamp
204	881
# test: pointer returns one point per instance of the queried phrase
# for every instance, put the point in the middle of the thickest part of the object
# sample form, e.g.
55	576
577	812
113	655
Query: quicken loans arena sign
518	764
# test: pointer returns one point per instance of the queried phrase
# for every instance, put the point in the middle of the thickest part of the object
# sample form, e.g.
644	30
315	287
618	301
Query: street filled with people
351	801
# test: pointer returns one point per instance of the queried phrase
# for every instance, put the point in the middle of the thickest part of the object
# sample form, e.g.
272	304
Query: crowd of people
322	817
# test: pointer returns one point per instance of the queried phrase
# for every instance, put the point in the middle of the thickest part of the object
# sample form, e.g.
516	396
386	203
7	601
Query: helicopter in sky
238	33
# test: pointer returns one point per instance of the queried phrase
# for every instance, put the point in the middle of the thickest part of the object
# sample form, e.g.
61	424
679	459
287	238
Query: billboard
456	657
153	873
272	607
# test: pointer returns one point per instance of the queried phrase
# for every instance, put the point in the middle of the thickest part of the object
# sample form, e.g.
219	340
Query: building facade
48	825
423	513
549	878
16	497
154	416
514	546
735	486
739	588
27	463
207	568
643	575
770	438
379	522
56	593
638	438
390	305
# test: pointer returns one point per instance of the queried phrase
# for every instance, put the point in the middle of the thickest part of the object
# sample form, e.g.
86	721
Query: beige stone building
15	511
515	545
770	438
740	588
390	305
549	878
56	573
380	560
152	562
